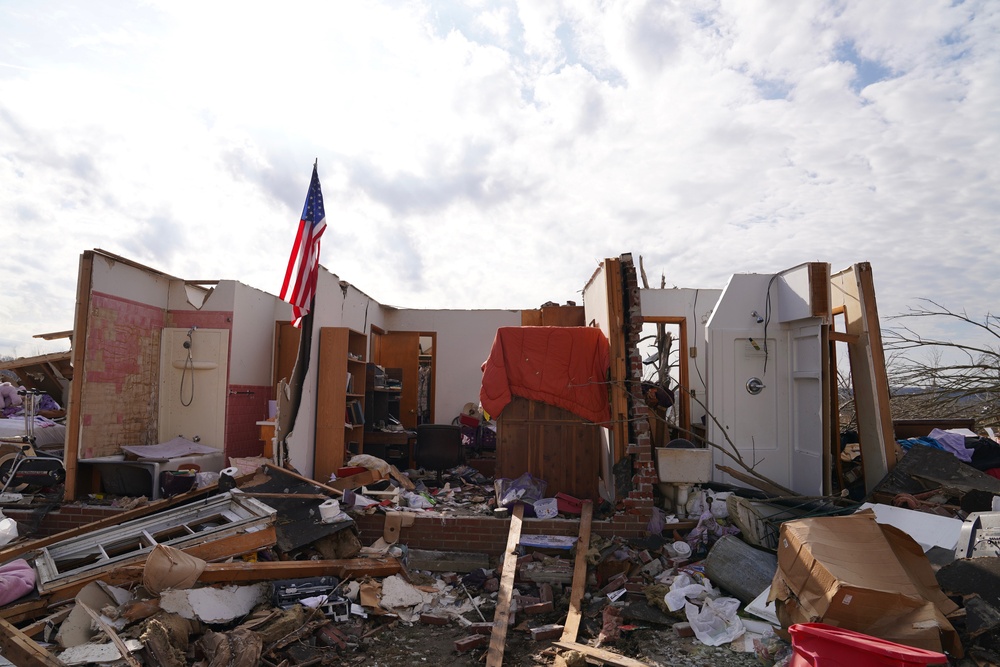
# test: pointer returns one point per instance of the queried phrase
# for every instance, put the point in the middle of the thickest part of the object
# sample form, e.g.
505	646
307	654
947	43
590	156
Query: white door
193	385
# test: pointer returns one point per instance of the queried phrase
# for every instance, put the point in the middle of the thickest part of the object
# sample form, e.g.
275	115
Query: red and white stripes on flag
299	286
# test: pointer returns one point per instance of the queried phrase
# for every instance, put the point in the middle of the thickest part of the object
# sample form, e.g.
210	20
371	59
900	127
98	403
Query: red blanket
562	366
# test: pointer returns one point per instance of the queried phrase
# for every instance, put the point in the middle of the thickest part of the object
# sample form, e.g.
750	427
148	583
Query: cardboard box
852	572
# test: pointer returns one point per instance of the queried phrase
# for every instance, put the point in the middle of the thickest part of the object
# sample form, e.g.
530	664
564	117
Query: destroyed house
217	363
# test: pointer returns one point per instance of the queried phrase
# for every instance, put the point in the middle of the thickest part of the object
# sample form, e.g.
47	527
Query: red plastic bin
821	645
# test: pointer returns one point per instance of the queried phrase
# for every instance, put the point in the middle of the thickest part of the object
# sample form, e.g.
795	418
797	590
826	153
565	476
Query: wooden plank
572	625
766	487
294	475
127	656
604	656
446	561
243	572
22	650
354	481
54	619
501	615
74	419
15	613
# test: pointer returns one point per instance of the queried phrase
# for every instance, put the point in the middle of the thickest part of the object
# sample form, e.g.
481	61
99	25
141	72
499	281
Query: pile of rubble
269	569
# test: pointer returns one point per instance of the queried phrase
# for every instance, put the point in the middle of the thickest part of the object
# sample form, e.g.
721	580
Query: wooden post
22	650
501	616
579	574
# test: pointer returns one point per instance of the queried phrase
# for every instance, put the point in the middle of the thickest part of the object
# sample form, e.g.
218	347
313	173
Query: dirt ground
419	644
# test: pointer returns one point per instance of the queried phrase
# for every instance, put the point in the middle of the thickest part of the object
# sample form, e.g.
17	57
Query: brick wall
640	498
488	534
121	375
67	517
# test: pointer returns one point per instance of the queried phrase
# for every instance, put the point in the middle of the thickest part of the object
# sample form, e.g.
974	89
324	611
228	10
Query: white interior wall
780	430
125	281
337	305
597	312
464	341
252	341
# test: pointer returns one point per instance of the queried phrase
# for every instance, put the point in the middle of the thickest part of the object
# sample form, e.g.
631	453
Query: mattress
47	432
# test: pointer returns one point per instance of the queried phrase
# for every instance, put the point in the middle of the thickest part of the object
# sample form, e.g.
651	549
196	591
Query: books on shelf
355	413
350	383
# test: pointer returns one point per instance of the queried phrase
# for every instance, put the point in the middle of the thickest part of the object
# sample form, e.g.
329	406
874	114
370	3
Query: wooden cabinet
552	444
340	399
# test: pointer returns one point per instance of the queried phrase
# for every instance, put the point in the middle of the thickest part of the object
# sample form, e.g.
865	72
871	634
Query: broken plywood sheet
300	522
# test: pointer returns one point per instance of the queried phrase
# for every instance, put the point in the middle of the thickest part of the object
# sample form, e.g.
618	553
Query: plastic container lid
546	508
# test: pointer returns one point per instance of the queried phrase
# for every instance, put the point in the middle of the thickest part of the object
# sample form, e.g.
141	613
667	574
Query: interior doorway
412	352
664	368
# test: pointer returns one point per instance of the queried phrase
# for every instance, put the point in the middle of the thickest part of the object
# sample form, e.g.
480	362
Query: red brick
434	619
546	632
469	643
540	608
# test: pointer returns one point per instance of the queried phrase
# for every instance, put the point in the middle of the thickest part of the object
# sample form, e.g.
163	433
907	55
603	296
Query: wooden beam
74	418
840	337
242	572
572	625
127	656
765	486
39	625
22	650
604	656
294	475
501	615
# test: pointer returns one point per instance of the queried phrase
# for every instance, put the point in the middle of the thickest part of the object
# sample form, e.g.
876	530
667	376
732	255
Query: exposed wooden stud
572	625
127	656
501	615
601	654
22	650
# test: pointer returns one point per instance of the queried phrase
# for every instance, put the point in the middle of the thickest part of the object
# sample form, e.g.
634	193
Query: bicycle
28	468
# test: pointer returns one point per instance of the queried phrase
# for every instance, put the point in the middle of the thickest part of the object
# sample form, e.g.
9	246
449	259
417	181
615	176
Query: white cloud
489	153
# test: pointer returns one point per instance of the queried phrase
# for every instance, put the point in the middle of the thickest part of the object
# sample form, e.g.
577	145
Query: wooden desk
267	435
395	447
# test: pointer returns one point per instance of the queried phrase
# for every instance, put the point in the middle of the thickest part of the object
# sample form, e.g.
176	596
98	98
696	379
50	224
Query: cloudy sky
488	154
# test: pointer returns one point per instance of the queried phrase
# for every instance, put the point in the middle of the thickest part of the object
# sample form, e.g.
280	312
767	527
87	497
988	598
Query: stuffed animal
9	396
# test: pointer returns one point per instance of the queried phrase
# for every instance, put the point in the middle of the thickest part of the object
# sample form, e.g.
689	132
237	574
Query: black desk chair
439	447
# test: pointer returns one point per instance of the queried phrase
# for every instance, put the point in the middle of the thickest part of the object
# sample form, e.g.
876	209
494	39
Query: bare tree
936	378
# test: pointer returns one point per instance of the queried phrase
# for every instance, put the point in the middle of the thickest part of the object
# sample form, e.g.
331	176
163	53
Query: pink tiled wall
246	406
121	372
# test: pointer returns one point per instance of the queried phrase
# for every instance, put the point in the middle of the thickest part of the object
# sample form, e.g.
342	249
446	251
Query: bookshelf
340	399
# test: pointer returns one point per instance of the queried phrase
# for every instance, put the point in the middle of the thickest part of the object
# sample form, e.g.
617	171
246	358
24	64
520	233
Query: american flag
299	286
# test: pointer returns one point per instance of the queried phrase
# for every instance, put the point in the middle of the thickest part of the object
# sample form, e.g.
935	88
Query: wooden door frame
683	394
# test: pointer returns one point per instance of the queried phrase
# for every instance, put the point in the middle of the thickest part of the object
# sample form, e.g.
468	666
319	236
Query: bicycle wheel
6	466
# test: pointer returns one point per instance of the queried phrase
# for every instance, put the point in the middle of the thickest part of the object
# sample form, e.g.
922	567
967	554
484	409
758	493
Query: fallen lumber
335	490
501	615
243	572
22	650
572	625
604	656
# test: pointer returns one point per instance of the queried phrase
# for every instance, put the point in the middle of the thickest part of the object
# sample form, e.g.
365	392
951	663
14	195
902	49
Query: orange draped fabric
562	366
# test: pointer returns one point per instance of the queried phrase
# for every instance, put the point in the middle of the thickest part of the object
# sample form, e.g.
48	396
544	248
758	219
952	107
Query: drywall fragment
85	654
77	628
213	605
